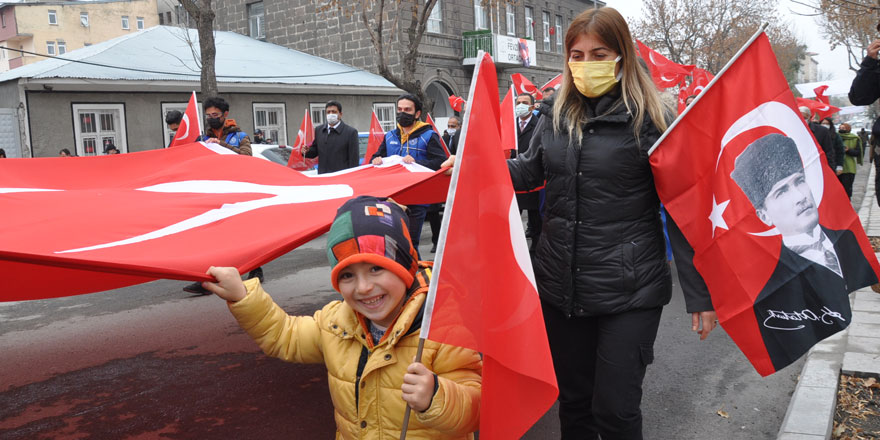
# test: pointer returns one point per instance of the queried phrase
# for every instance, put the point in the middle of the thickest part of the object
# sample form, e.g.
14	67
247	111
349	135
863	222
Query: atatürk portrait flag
774	235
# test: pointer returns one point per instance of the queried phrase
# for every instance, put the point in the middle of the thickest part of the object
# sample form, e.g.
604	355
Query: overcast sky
830	62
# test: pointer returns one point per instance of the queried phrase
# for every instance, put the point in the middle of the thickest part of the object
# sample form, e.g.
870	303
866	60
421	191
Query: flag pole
687	109
441	240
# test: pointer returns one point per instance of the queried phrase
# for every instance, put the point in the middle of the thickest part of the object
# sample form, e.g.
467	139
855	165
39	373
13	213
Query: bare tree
203	14
709	32
848	23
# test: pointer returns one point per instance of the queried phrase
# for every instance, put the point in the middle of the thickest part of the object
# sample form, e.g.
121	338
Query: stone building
456	30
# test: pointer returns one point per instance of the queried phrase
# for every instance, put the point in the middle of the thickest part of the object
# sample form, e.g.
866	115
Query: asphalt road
151	361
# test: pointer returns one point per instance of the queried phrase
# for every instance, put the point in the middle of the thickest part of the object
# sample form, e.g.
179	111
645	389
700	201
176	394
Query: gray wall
52	125
333	35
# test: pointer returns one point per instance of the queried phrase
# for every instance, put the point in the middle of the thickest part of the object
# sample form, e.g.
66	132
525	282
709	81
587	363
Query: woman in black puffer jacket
600	263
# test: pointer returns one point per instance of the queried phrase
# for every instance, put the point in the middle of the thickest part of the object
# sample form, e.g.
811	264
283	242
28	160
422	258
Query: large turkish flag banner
724	174
81	225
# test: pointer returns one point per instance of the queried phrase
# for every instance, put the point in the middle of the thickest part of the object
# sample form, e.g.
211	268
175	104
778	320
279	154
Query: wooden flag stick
408	408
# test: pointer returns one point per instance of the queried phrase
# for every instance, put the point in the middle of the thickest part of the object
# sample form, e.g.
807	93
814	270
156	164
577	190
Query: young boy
368	341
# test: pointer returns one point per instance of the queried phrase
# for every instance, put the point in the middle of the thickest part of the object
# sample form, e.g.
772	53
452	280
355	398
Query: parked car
279	154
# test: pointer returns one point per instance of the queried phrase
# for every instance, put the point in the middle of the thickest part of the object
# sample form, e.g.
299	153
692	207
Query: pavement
854	351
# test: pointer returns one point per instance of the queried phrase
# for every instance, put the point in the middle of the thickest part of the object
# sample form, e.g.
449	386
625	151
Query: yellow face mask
594	78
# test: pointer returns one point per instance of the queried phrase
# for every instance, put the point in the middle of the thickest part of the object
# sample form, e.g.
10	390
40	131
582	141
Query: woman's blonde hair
638	91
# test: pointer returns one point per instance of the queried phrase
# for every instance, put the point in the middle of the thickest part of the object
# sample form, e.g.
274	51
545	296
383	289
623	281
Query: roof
161	53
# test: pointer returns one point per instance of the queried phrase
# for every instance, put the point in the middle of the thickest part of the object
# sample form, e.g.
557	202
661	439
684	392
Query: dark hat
374	230
763	163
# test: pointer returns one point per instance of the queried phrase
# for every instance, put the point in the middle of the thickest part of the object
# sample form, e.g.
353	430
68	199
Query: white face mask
451	131
332	118
521	110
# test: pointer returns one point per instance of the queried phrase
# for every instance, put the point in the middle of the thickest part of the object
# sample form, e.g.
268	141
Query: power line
159	72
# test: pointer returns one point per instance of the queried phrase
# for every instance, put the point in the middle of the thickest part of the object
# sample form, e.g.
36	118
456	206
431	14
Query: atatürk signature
826	318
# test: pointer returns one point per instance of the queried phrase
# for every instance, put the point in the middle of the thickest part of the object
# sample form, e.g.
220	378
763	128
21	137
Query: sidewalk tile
811	411
864	329
861	364
835	343
866	317
861	344
821	370
793	436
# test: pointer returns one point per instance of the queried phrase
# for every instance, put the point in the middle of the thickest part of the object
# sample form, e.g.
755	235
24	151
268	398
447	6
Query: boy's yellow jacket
370	406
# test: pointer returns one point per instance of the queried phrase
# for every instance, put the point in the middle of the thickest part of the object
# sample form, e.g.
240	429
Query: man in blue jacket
416	142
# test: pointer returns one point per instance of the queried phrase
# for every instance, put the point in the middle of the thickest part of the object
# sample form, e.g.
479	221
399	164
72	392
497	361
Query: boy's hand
418	386
228	285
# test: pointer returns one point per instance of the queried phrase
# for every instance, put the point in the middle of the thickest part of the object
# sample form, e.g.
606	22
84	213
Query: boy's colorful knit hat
374	230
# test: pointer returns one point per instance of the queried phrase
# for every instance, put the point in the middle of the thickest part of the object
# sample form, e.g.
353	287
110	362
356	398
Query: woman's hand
709	321
228	285
418	386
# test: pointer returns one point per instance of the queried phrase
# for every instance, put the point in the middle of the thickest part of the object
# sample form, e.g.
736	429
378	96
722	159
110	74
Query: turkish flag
522	85
304	137
508	123
430	122
825	109
556	82
88	224
664	72
820	109
190	126
774	235
377	135
483	293
456	102
701	79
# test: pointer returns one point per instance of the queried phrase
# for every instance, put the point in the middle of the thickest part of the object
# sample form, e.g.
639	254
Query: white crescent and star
184	123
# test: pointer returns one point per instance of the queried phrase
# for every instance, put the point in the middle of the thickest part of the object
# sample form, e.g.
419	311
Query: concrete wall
52	124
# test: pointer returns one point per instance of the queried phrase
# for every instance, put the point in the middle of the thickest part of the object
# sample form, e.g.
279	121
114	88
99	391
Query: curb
854	351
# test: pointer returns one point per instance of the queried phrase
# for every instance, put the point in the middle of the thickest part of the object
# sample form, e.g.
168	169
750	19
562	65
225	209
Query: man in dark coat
526	121
806	298
865	88
336	143
823	136
452	133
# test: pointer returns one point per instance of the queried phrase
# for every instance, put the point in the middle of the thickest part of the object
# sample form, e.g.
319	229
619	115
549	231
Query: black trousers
600	364
846	179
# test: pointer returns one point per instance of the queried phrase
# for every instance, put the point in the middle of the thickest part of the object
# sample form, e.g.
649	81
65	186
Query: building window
3	18
161	19
50	48
53	18
317	111
530	23
168	17
125	22
62	47
97	125
511	20
481	15
435	20
386	112
558	34
546	24
271	120
84	19
257	20
140	23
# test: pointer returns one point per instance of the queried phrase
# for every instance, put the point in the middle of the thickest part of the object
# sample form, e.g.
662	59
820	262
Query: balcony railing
472	42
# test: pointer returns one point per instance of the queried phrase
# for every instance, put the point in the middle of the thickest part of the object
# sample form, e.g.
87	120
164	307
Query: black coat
601	249
336	150
523	138
823	136
800	285
451	141
865	88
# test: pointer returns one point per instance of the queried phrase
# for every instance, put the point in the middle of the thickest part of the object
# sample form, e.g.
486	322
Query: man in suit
806	298
526	121
451	134
335	144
